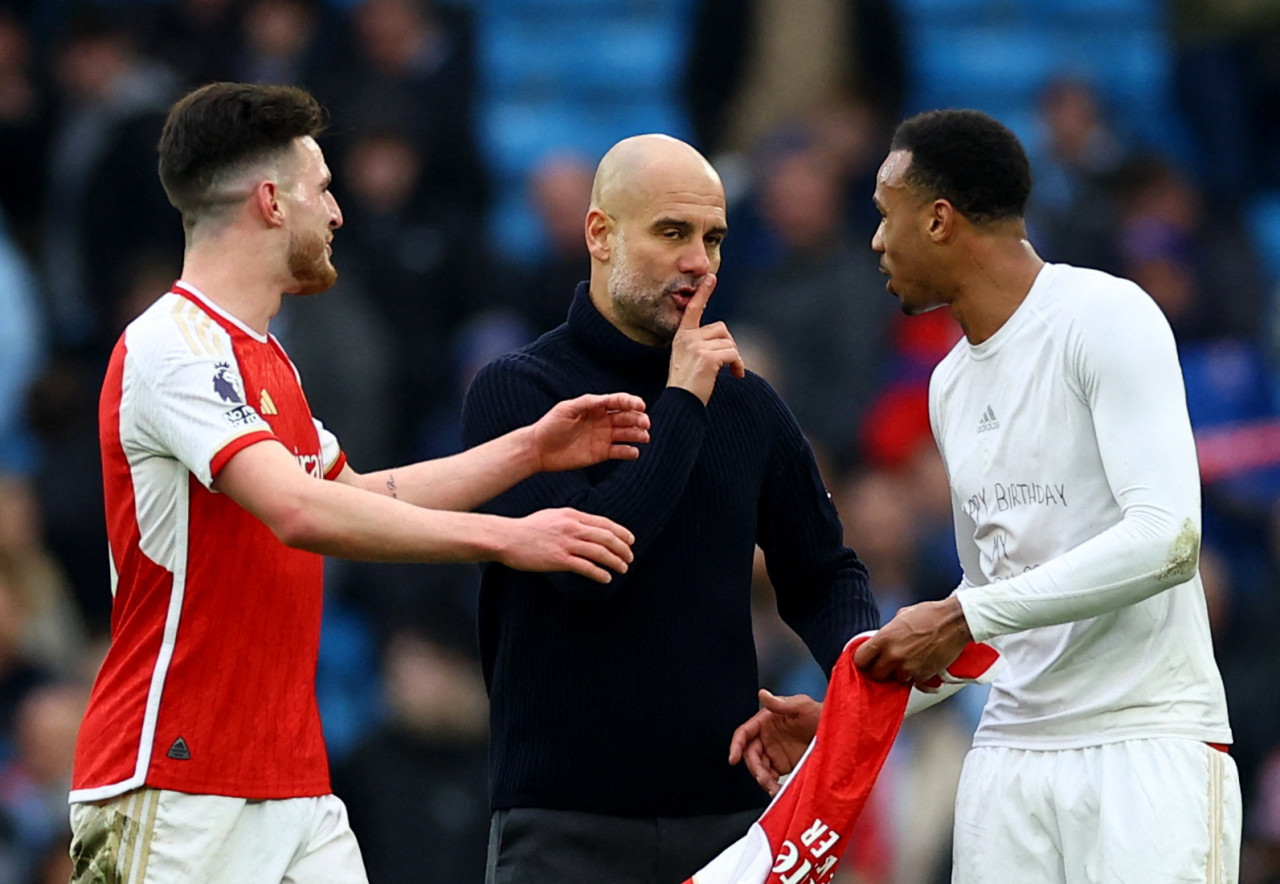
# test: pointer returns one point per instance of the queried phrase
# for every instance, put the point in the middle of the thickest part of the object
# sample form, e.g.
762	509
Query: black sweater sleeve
640	495
821	586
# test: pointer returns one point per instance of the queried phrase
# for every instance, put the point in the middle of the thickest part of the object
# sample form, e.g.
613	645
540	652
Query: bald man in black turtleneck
613	706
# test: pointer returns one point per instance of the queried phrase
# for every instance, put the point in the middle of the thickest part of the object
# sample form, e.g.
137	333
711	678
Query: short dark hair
969	159
221	126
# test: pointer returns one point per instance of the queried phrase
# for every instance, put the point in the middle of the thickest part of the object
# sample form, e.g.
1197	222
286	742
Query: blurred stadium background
464	136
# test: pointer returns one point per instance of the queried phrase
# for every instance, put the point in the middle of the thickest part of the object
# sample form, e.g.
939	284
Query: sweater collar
607	344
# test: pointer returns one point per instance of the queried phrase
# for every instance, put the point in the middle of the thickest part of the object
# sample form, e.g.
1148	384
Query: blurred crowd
794	101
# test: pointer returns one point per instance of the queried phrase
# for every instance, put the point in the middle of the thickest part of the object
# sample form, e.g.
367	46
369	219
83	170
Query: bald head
654	229
639	169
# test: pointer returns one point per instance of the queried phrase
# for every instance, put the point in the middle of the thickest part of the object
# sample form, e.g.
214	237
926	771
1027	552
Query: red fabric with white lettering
803	833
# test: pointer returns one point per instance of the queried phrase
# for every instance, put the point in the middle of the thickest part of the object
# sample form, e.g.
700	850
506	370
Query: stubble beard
309	264
637	301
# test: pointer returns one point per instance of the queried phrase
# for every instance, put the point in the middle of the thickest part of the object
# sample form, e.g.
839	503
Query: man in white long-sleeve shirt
1062	420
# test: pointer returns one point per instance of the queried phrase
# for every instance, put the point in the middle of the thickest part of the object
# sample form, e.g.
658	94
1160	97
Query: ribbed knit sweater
622	698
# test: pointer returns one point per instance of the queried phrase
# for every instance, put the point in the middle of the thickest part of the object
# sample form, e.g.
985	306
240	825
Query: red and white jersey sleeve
209	684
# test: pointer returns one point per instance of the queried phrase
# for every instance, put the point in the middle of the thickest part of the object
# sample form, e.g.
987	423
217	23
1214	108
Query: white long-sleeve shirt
1076	497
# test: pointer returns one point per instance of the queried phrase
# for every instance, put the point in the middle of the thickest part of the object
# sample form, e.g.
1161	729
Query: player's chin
314	284
667	324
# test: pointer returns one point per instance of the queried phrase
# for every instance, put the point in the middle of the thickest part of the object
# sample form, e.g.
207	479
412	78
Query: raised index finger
692	317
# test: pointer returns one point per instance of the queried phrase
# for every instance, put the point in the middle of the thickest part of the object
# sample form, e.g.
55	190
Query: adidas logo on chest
988	421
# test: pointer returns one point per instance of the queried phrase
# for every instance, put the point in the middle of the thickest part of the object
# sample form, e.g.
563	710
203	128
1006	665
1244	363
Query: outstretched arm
338	520
574	433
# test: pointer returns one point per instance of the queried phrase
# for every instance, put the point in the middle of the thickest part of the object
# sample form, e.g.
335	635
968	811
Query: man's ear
599	233
942	220
266	200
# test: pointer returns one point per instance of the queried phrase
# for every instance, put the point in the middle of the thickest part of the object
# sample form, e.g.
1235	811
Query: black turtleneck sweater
622	698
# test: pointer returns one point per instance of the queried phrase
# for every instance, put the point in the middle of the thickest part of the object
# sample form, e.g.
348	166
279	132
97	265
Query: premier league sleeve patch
230	389
226	383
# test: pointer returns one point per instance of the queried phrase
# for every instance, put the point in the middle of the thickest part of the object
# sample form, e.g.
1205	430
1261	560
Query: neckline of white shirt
1019	317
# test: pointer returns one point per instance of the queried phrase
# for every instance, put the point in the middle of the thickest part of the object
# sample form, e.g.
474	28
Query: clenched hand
917	644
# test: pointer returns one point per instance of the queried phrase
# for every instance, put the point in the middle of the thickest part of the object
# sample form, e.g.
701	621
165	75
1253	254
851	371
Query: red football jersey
209	684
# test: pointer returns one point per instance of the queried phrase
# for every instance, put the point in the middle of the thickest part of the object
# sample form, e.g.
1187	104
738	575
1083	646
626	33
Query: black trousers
529	845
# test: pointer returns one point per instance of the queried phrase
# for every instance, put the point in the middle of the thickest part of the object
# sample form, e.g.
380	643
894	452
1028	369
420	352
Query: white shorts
1140	811
155	836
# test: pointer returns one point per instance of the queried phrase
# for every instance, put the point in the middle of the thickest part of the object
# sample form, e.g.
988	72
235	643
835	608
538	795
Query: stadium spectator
822	302
415	787
23	343
560	185
411	260
19	674
776	61
279	42
51	631
411	67
1073	211
1227	82
111	102
24	123
1193	256
33	783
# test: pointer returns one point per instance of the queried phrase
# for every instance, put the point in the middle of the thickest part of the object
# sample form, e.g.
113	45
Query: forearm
832	611
823	590
339	519
640	494
1140	556
461	481
336	520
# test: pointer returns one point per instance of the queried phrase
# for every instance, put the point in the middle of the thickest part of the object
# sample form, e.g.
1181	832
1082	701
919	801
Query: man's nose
335	213
695	260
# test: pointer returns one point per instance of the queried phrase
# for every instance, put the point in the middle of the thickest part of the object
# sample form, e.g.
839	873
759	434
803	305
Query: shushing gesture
698	352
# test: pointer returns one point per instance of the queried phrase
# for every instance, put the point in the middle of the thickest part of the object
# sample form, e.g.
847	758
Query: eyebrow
686	227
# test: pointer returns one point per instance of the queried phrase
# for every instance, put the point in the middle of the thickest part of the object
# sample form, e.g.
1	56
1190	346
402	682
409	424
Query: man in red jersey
201	757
